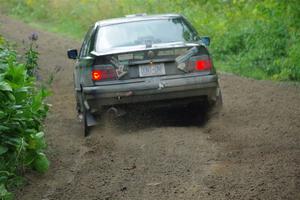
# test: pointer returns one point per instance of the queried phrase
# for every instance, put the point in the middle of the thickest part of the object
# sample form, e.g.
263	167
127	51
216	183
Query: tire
86	128
77	97
78	102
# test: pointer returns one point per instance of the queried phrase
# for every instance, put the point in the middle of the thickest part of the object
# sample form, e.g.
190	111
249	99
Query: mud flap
217	104
88	122
88	119
91	121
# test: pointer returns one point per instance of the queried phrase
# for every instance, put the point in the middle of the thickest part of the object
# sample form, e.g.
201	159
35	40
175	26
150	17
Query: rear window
142	32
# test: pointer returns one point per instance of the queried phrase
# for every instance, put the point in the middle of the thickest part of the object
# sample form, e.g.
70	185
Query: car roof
134	18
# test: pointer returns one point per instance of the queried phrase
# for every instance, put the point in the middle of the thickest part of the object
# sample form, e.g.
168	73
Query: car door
84	58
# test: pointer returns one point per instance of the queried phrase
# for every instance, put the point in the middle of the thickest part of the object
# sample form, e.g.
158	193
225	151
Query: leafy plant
31	56
22	110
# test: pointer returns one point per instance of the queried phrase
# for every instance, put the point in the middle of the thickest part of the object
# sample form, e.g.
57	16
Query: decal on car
121	68
125	56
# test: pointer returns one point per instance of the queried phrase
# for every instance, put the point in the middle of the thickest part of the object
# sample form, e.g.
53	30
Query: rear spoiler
142	48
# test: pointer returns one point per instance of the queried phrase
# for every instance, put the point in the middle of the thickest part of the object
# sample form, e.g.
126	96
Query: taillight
107	73
203	65
97	75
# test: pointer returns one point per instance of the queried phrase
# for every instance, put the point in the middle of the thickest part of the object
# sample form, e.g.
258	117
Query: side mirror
205	40
72	53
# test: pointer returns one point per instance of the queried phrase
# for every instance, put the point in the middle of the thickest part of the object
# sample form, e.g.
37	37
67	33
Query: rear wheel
86	128
84	113
78	102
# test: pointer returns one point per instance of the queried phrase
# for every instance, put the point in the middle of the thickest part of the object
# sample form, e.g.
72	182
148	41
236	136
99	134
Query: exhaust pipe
114	112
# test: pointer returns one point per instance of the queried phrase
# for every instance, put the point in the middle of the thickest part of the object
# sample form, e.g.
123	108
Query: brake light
203	65
97	75
106	73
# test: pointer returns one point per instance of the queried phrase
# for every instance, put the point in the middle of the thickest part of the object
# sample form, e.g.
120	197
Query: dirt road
251	151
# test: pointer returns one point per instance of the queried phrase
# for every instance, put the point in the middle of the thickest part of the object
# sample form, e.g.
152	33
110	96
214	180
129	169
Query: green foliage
41	163
31	60
257	38
22	110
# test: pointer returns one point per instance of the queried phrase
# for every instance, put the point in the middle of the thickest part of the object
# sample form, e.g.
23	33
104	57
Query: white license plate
152	70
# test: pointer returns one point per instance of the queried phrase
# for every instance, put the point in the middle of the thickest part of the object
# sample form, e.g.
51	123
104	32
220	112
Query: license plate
152	70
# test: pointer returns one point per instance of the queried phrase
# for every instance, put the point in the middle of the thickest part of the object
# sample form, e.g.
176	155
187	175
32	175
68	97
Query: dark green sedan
157	60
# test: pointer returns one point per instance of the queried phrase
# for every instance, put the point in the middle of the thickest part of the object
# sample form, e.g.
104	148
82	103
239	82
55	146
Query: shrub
22	110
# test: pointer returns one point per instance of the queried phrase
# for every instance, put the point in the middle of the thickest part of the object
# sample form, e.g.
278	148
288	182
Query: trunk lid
138	62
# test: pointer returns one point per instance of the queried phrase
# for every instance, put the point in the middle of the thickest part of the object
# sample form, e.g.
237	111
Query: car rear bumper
151	89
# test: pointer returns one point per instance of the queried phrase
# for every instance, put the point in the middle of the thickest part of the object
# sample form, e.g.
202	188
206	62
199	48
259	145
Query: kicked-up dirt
250	151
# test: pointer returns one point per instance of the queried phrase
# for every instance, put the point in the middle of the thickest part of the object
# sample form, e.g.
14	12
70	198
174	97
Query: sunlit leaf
41	163
4	86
